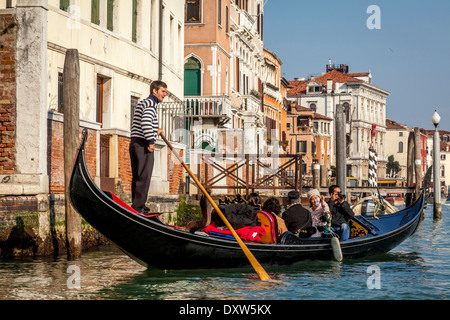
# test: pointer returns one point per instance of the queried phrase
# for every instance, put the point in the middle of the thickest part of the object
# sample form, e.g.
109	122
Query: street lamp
436	118
436	166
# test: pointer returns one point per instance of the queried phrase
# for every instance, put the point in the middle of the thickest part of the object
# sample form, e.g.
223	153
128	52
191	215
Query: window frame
199	17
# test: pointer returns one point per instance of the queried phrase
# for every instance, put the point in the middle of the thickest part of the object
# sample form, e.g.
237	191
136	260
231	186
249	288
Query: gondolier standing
144	131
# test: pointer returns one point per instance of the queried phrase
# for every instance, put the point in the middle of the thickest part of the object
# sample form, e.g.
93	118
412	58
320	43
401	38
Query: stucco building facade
365	113
121	51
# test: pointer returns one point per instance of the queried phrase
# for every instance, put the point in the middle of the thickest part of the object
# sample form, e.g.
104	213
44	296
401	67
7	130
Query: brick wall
55	155
8	35
175	173
124	164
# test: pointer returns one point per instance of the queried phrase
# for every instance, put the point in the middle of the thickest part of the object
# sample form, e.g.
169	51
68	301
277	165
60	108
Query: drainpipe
160	67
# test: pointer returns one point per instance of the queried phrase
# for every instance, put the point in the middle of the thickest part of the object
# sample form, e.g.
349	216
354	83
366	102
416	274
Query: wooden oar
256	265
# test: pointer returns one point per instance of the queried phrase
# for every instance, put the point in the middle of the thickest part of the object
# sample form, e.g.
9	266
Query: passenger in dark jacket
296	216
340	212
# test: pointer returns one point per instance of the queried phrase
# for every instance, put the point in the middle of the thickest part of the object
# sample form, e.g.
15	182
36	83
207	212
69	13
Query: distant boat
370	206
396	199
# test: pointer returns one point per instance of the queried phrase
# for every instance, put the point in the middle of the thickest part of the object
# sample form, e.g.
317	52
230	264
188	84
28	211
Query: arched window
347	111
400	147
192	77
313	107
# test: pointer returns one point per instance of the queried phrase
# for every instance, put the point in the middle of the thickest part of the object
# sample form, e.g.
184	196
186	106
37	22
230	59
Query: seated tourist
272	205
298	219
254	199
319	209
340	212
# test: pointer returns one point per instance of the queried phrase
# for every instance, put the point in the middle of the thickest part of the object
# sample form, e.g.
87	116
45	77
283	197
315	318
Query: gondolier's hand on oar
151	148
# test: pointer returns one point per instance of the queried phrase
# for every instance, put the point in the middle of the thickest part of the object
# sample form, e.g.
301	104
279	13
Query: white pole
436	168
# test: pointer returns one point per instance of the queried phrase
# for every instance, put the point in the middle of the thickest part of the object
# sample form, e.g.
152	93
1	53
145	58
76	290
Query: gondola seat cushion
247	234
269	223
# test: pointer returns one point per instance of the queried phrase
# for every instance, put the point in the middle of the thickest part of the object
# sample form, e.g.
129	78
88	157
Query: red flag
374	129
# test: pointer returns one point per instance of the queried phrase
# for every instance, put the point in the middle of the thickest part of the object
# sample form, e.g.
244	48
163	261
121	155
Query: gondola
154	244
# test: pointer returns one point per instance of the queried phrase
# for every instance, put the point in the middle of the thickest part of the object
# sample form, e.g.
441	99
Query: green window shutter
134	30
110	23
64	4
95	12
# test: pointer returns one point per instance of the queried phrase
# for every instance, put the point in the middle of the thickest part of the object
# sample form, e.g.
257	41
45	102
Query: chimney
329	85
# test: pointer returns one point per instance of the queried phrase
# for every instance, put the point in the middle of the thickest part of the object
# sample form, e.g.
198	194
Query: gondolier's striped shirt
145	121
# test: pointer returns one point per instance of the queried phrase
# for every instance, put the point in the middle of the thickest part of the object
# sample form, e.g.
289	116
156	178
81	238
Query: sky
405	44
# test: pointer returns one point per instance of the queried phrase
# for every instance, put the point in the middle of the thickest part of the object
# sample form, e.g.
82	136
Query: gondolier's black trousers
142	162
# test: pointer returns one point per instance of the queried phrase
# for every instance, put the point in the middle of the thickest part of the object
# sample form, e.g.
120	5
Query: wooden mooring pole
417	162
341	149
410	168
71	101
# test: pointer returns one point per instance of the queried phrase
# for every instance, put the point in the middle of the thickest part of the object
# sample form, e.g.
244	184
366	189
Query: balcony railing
250	103
208	107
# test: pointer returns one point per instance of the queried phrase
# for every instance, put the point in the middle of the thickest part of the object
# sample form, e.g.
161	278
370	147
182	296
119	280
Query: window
152	33
302	122
64	5
193	12
134	22
172	41
288	125
95	12
258	19
316	126
134	103
60	93
99	109
347	111
220	12
227	18
110	15
400	147
313	107
400	134
302	146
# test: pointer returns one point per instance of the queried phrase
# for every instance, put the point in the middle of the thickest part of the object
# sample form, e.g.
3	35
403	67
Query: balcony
272	91
246	25
250	103
212	107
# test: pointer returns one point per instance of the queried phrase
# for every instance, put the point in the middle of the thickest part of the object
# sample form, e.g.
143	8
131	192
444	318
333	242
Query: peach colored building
223	65
309	134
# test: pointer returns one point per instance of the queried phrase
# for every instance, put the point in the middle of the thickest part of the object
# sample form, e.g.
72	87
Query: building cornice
209	45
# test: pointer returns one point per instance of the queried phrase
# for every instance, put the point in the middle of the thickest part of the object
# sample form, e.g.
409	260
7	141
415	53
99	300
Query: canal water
417	269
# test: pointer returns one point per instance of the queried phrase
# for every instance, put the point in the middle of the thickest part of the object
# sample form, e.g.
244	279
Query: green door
192	76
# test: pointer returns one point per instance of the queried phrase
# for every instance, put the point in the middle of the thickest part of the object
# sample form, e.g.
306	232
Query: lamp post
436	167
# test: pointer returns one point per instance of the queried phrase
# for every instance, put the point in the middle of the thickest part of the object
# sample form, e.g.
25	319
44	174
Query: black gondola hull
155	244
